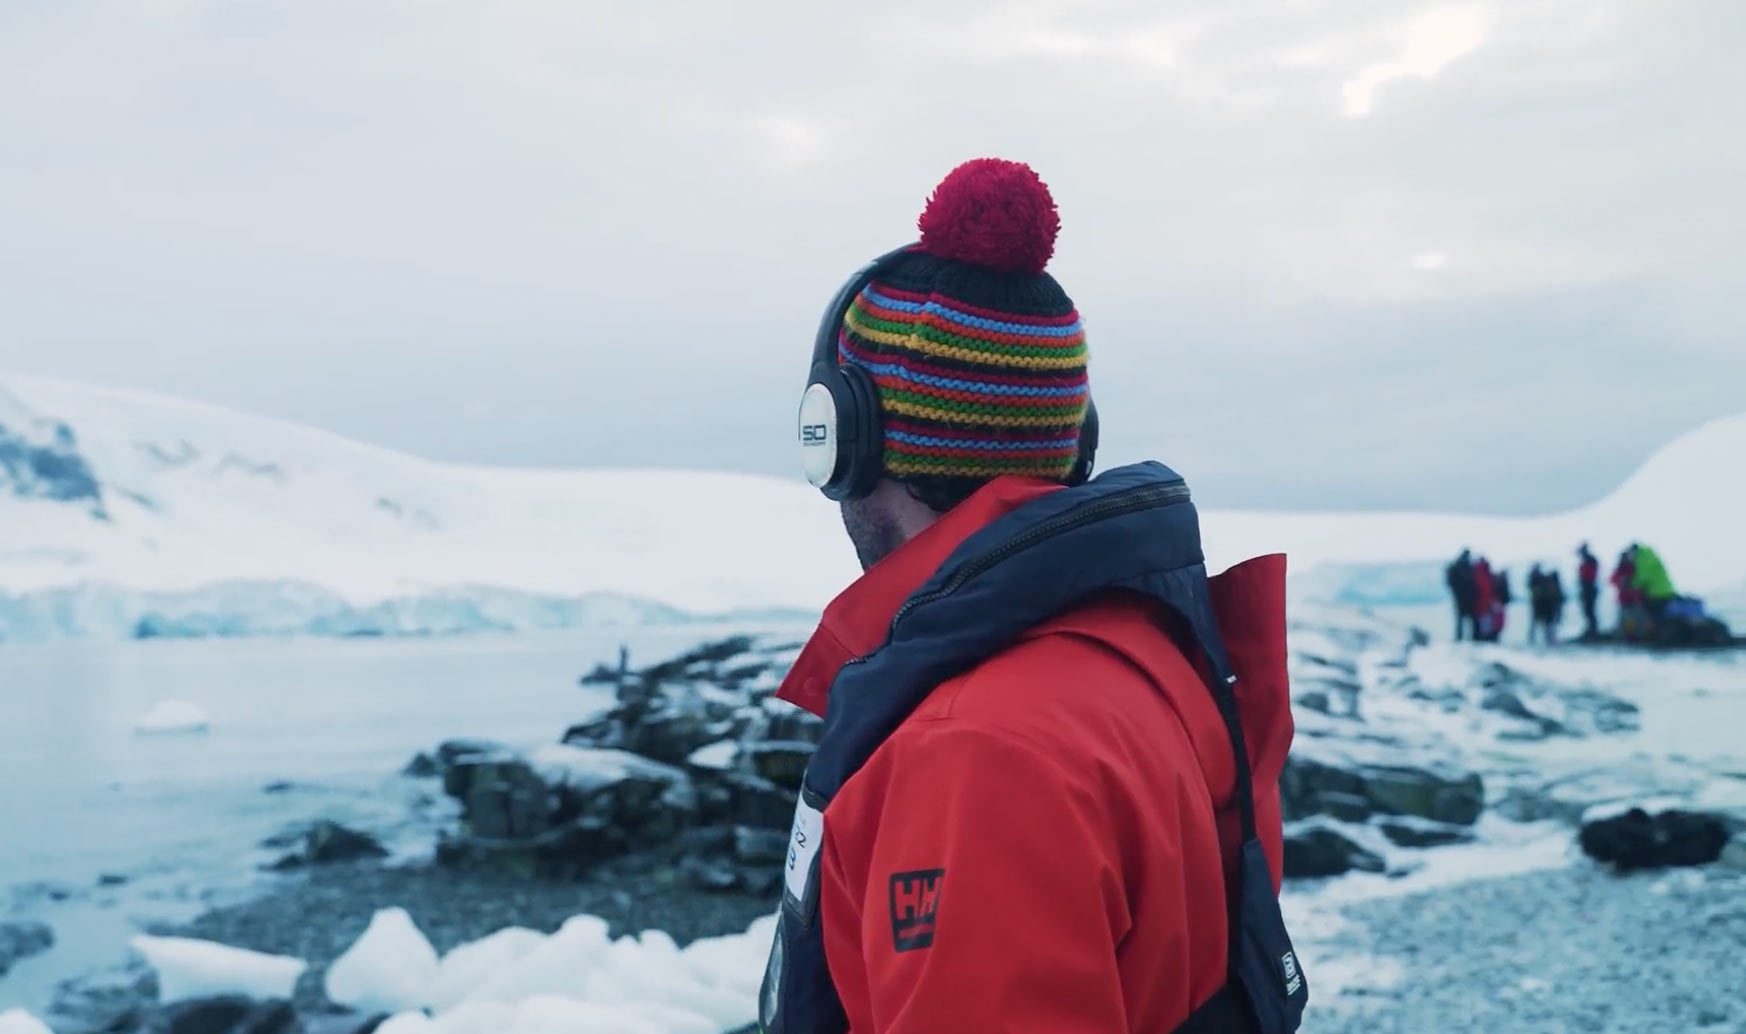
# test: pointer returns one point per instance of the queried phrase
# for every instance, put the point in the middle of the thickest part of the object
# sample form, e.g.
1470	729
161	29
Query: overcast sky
1364	253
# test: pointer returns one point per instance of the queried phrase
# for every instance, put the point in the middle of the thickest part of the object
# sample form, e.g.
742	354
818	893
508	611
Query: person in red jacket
1588	583
1485	603
1049	773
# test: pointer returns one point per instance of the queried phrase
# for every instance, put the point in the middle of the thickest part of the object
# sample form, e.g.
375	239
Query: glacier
125	514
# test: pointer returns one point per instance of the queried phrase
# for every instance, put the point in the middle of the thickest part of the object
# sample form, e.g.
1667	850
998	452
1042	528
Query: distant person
1459	575
1501	603
1588	585
1555	600
1484	602
1624	579
1653	581
1539	603
1047	798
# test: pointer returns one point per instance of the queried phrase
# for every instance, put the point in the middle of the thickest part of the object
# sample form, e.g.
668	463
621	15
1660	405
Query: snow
1682	501
714	755
197	495
173	716
189	969
214	522
391	967
520	981
590	768
17	1021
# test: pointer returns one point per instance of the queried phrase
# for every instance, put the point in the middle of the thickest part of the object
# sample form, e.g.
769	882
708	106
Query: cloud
364	213
1429	43
1428	261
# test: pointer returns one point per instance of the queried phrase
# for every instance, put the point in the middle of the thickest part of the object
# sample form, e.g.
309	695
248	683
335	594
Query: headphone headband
840	433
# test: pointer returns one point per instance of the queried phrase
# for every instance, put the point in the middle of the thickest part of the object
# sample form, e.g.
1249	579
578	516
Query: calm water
180	817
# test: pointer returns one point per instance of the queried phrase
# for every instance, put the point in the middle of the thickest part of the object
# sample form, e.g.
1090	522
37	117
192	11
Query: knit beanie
977	354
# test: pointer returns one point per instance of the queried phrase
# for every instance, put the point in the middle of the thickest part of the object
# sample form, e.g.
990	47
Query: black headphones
842	447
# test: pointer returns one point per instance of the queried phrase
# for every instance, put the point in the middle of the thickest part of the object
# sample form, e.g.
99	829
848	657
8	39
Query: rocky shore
668	811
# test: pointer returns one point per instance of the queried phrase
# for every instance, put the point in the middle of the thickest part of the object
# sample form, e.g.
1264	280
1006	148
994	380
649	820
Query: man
1588	583
1459	575
1047	790
1539	603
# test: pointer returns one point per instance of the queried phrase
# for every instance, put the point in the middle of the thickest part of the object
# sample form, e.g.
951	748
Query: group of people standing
1482	595
1482	598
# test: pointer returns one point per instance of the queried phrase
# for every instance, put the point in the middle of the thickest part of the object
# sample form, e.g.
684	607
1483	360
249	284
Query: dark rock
578	807
711	841
343	1023
712	876
707	657
280	786
1314	700
1637	840
501	797
1505	702
795	724
762	880
757	802
1344	806
760	846
22	938
782	762
1320	851
1439	795
422	766
1407	834
111	1001
111	879
331	842
1311	787
232	1014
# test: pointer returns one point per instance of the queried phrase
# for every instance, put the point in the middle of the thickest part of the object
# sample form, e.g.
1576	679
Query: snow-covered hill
105	494
128	513
1687	501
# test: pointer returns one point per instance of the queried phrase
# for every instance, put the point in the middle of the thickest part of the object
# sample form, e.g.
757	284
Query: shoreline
1572	948
322	911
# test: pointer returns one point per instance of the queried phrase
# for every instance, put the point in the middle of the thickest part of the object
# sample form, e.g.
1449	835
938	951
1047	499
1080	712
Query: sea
103	829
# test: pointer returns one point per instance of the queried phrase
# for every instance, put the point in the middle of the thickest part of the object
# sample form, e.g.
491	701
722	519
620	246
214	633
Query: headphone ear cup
861	438
1087	459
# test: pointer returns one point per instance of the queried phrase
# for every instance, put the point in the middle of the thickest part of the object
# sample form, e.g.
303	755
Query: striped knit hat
978	355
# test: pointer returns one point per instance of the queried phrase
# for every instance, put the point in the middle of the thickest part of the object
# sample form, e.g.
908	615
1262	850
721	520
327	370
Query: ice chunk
719	755
409	1023
465	968
173	716
189	968
17	1021
391	968
556	966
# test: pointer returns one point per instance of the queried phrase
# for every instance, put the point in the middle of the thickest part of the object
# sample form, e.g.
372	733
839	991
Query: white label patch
803	843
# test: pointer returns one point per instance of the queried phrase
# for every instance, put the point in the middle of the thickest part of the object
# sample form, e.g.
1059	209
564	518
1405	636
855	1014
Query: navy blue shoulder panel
1133	528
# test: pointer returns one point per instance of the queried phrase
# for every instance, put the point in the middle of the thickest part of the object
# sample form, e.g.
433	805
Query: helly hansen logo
1293	979
915	906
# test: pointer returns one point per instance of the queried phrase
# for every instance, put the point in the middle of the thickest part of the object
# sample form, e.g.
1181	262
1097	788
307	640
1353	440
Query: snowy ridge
120	507
1685	501
193	496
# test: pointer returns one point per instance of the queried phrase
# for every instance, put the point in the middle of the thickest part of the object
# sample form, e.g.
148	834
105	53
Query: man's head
975	356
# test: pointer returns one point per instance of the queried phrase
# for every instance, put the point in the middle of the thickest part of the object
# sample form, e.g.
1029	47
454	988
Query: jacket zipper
1128	502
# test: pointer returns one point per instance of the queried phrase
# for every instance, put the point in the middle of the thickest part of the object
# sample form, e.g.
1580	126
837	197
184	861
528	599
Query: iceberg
191	969
171	717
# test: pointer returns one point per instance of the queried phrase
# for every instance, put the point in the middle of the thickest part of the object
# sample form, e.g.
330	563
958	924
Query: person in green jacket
1652	580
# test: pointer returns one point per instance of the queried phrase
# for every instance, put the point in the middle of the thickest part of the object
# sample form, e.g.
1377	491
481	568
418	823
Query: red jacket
1058	811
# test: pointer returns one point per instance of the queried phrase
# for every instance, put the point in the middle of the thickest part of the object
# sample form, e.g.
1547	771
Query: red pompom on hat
992	213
